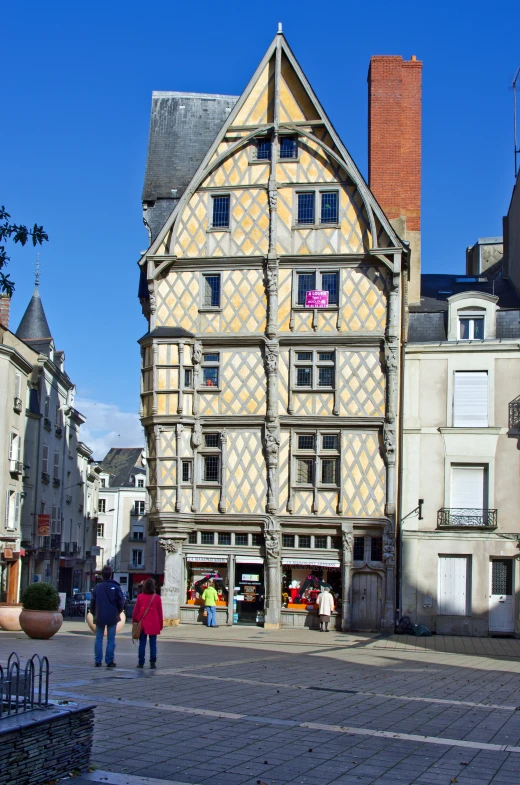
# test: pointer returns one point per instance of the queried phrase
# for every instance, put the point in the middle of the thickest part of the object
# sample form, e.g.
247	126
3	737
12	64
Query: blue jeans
111	643
212	615
142	648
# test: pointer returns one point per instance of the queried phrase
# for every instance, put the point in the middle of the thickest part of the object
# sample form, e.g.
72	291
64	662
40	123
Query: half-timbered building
270	413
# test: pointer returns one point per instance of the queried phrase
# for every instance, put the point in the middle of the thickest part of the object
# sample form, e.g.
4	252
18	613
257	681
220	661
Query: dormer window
471	327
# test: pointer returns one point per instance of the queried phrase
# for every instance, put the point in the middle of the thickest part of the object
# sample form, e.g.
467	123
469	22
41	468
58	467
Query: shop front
239	581
302	581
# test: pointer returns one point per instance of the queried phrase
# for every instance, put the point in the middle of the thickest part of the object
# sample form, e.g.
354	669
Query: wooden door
367	599
501	612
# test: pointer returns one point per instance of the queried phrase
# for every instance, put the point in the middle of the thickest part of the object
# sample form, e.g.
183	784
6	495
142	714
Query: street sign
316	298
44	525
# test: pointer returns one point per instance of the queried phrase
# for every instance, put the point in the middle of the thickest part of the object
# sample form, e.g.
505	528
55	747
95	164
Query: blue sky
76	97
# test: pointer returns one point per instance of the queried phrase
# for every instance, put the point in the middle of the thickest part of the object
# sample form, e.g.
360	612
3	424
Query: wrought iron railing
23	689
514	413
461	517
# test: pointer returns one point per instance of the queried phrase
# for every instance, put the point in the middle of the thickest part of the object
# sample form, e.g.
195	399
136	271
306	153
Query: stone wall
45	744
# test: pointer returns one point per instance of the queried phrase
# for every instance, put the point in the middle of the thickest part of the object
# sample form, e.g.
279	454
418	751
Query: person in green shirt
210	598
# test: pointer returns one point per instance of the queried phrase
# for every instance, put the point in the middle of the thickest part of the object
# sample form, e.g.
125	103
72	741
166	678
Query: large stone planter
120	623
40	624
10	616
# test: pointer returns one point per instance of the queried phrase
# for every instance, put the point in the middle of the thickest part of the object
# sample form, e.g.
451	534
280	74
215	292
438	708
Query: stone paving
240	706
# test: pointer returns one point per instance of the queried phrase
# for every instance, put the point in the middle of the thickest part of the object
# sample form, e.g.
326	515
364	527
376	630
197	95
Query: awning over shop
290	561
139	577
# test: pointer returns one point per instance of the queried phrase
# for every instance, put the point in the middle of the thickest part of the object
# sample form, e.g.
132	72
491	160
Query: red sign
316	298
44	525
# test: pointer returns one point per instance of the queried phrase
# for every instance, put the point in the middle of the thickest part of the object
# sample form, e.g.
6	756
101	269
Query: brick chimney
394	155
5	305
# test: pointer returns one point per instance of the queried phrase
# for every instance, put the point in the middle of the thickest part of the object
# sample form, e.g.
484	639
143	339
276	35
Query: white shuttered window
468	487
470	399
454	581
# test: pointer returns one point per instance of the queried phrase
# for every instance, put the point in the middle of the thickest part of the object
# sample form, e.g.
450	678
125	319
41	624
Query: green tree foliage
18	233
41	597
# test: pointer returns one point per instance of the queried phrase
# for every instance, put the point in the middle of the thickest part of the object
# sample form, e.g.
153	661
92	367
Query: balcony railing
514	413
133	566
17	406
16	467
464	517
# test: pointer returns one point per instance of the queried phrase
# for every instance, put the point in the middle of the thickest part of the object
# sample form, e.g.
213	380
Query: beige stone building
459	563
273	288
49	478
122	521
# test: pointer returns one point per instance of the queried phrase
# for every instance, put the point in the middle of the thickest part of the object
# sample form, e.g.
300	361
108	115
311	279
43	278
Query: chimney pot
5	307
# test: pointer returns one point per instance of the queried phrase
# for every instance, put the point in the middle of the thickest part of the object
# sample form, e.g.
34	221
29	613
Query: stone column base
172	622
272	626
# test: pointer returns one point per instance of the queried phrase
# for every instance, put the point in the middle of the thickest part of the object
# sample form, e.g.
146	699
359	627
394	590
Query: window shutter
467	487
58	520
7	505
17	385
11	446
470	403
453	574
56	465
53	520
18	446
17	511
45	459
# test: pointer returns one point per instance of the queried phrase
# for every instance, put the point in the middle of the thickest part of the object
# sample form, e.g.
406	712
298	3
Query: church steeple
34	328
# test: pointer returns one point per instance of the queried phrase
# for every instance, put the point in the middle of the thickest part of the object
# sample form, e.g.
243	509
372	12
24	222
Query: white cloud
107	426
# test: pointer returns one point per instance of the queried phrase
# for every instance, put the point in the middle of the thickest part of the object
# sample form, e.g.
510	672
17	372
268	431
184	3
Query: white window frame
202	304
210	364
317	455
472	317
102	504
133	561
139	507
138	529
45	459
100	530
315	364
56	465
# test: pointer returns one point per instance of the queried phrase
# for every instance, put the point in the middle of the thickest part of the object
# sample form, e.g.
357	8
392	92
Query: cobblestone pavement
240	706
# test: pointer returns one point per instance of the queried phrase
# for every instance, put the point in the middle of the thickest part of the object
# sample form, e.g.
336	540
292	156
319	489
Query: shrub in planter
40	617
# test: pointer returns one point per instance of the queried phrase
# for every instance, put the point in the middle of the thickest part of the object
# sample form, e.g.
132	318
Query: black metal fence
463	517
23	688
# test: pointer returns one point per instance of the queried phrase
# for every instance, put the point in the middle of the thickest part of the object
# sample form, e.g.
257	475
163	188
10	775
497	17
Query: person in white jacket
325	607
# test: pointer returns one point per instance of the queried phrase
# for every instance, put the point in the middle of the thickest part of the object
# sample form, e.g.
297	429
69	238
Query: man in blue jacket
106	605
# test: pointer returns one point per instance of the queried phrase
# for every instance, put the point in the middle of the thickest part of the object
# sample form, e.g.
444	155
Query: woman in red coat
148	610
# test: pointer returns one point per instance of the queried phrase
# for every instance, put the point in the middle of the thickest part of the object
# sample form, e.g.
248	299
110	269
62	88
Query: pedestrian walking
210	597
148	611
325	607
106	604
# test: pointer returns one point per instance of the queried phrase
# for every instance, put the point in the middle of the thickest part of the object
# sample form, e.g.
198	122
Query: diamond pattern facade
364	475
362	384
247	487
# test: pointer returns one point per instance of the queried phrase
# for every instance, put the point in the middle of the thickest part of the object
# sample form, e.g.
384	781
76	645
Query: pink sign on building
315	298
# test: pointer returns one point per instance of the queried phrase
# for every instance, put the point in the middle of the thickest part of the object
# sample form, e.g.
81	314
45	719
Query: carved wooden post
392	370
273	552
389	559
141	382
196	358
223	489
272	298
155	352
196	441
181	378
347	538
172	587
272	448
158	454
178	435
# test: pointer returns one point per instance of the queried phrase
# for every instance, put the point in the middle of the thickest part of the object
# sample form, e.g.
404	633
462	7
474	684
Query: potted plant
40	617
10	616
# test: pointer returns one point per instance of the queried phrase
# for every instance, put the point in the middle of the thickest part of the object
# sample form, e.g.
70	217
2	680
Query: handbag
136	625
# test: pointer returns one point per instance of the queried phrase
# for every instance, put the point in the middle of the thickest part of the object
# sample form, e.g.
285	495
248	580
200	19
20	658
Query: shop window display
198	577
301	586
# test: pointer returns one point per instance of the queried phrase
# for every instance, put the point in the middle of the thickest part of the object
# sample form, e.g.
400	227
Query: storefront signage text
44	525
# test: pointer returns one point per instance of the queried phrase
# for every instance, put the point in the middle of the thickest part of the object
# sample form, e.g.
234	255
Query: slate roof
168	332
121	463
182	128
436	288
34	328
428	321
